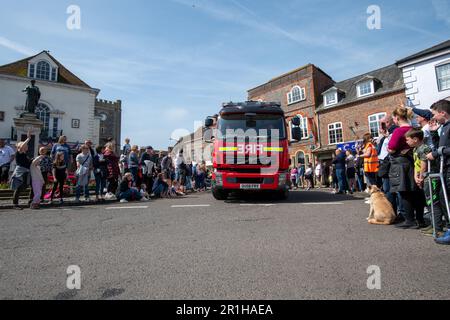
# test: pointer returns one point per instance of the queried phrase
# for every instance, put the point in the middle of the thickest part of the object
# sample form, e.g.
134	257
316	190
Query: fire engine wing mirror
296	134
209	122
296	121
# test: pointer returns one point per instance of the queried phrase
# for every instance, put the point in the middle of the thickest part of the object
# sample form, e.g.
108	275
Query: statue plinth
28	122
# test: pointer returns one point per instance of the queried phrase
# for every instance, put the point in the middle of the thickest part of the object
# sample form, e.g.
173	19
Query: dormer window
297	94
42	68
365	88
331	98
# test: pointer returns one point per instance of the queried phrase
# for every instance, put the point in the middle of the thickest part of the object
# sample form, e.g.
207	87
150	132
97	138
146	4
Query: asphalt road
314	246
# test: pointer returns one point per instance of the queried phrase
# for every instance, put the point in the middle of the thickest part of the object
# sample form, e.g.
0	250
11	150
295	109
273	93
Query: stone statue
33	96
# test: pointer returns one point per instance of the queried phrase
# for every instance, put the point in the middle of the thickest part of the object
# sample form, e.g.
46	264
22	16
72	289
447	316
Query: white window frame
290	95
440	89
379	116
325	98
372	88
334	125
32	75
53	67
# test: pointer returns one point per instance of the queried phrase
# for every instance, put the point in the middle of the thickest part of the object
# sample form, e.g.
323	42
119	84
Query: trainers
124	201
431	233
17	207
144	200
444	240
427	230
407	225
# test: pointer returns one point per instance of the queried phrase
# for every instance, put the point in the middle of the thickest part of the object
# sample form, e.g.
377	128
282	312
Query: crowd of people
398	162
133	175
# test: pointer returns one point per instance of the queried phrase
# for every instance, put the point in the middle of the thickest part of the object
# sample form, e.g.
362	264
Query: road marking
191	206
320	203
257	204
125	208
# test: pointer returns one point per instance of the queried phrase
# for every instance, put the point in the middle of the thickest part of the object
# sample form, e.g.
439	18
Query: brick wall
356	115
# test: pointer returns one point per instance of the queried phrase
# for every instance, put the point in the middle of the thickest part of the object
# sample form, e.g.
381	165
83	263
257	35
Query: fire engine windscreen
261	126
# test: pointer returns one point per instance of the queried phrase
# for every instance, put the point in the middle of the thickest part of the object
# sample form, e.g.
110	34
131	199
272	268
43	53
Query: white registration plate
250	186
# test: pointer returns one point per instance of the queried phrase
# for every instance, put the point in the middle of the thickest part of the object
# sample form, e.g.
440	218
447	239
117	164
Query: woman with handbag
83	173
401	172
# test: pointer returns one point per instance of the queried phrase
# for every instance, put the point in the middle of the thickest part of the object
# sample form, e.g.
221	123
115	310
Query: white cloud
16	47
442	10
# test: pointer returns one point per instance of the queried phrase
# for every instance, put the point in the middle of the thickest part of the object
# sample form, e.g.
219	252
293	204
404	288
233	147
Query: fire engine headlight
282	179
219	179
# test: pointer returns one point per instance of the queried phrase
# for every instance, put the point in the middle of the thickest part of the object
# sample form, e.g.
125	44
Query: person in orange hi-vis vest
370	160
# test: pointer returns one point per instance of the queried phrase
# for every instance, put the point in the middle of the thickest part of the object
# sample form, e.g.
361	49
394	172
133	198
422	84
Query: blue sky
173	62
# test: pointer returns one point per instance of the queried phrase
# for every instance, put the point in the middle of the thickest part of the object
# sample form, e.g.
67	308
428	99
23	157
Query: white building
67	104
427	75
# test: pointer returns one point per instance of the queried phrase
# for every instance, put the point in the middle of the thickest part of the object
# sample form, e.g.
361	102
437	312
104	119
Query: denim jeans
78	191
131	194
342	180
392	197
134	173
100	185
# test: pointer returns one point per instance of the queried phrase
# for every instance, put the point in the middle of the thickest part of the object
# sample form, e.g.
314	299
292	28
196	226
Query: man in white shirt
6	157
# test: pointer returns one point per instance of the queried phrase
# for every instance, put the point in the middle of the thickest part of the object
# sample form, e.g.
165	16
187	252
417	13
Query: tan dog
381	211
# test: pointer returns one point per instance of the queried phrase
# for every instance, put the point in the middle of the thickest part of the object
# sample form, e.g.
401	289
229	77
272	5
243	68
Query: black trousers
59	181
414	205
112	185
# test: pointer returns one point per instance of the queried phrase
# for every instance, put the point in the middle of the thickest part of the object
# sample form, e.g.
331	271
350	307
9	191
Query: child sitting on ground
127	193
160	187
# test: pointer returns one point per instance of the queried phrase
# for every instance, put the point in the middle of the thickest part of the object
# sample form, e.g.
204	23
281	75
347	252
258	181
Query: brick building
299	92
110	116
355	106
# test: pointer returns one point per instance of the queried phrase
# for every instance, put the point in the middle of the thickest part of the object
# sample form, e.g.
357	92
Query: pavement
313	246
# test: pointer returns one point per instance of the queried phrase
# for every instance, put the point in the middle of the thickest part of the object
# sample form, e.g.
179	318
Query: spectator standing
359	167
294	178
84	165
60	173
339	163
126	147
309	177
37	180
318	174
100	173
6	158
371	162
387	129
301	175
181	168
401	173
133	164
46	166
441	114
63	147
148	167
112	163
166	168
415	139
20	178
351	172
